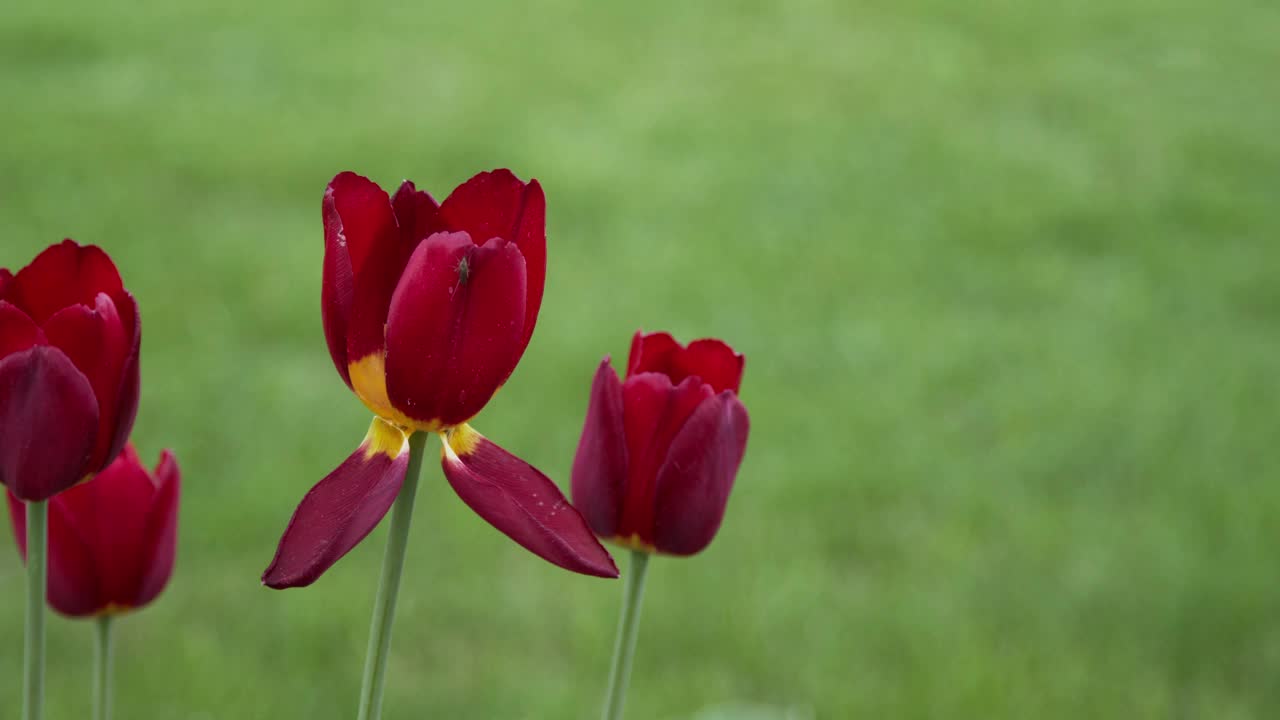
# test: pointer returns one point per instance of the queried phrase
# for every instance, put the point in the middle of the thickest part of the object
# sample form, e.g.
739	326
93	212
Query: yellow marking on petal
634	543
384	438
113	609
462	439
369	380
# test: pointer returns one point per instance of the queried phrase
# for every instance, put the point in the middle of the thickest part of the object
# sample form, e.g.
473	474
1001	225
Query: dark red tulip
427	309
69	340
659	452
111	539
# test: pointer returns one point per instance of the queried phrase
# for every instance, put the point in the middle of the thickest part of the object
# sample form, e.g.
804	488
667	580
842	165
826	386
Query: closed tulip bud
660	451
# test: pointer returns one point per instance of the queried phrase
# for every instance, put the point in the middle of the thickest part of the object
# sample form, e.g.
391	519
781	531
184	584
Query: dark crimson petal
531	237
453	335
694	483
48	423
17	331
73	582
5	277
96	341
357	216
342	509
160	539
109	514
417	214
64	274
655	410
651	353
712	360
600	465
126	409
489	205
522	503
375	281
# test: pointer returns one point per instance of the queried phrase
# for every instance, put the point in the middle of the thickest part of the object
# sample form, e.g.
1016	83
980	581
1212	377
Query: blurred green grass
1004	274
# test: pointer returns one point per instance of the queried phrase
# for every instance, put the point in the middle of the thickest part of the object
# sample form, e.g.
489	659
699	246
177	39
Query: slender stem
625	647
103	667
37	537
384	606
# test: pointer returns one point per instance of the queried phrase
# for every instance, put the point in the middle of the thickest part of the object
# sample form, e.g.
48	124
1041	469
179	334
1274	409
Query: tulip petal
417	214
98	343
497	204
693	485
712	360
126	409
455	327
73	587
341	509
64	274
160	539
375	281
48	423
522	503
357	216
600	465
5	278
17	331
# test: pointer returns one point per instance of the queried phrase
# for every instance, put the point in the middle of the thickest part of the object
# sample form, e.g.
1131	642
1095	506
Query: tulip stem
103	668
33	652
625	646
384	606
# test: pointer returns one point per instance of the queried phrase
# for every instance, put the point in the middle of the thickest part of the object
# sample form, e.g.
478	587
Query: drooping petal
522	503
64	274
655	412
48	422
17	331
96	341
712	360
160	539
357	216
73	587
695	480
455	327
341	509
600	465
497	204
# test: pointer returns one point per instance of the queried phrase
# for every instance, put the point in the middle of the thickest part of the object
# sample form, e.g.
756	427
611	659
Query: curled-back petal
455	327
522	503
48	422
341	509
600	465
712	360
693	484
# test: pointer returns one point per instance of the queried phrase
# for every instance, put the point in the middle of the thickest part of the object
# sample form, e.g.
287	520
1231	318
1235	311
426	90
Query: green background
1004	273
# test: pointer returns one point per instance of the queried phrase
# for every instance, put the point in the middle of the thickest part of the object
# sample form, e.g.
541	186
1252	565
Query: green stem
37	537
625	647
384	606
103	669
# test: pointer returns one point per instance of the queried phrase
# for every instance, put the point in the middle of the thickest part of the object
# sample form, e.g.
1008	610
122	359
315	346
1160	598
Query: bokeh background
1004	273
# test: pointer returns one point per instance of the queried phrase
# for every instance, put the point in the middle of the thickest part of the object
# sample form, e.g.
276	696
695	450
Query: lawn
1004	274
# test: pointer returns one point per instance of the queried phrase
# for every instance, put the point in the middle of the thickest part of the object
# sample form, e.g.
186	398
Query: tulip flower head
69	341
112	539
427	308
660	451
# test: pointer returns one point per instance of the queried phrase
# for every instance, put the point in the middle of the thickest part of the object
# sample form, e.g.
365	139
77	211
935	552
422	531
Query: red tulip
427	309
660	451
111	539
69	339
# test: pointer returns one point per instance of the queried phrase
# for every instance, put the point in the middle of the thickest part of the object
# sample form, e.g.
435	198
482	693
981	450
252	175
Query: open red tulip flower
69	340
427	309
659	452
111	539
